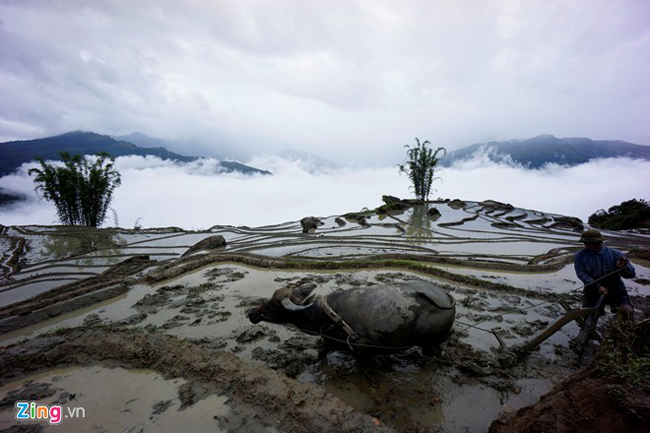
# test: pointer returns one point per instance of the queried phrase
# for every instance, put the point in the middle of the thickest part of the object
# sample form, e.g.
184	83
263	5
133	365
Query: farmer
601	269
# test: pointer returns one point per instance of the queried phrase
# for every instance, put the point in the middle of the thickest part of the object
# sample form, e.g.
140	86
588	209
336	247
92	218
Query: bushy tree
631	214
420	166
81	189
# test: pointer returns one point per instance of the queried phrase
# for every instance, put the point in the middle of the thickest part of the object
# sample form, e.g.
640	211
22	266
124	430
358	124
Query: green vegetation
631	214
81	190
626	353
420	167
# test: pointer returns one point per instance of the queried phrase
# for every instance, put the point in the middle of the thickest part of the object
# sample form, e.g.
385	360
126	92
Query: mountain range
546	149
531	153
15	153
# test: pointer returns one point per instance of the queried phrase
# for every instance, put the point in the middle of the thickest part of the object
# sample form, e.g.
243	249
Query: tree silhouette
81	189
421	166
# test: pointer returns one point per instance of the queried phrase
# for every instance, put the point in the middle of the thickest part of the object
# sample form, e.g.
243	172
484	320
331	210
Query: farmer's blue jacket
591	266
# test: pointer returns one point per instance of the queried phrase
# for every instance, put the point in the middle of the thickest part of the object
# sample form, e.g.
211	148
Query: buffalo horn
290	306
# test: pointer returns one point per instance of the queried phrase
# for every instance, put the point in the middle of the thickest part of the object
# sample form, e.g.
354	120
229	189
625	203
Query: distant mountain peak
545	149
16	153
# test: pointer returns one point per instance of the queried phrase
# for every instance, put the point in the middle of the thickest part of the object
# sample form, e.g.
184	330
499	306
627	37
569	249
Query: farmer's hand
603	290
621	262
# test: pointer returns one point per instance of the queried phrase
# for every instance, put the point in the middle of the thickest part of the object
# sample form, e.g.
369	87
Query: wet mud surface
182	321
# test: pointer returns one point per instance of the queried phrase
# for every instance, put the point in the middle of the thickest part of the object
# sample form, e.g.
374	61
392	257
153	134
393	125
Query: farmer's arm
627	270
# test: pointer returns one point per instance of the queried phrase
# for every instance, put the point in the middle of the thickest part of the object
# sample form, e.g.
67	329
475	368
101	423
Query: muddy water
111	400
210	305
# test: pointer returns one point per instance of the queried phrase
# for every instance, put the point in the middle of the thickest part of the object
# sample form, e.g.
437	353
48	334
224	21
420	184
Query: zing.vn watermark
53	414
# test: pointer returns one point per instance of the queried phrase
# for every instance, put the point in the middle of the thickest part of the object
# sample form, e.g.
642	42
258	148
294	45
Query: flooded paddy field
152	332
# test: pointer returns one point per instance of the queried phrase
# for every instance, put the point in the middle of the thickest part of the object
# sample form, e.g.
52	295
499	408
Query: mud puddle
104	399
406	391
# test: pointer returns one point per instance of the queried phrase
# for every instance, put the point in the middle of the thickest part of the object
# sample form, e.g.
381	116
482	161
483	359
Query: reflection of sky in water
473	307
471	239
505	313
116	399
22	293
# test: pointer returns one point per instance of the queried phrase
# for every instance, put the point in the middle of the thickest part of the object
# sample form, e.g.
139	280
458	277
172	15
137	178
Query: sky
349	81
156	193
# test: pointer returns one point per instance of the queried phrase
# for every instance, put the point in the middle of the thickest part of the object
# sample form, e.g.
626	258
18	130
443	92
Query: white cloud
350	80
164	193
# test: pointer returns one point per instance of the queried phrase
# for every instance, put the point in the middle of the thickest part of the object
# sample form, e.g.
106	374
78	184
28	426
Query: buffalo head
284	304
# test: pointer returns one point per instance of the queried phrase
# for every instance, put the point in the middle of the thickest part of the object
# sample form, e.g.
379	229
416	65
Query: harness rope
338	320
467	325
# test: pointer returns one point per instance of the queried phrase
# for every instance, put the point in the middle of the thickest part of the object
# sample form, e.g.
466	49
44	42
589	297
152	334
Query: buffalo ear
300	294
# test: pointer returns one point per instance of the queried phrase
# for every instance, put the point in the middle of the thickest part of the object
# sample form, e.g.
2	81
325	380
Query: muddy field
117	323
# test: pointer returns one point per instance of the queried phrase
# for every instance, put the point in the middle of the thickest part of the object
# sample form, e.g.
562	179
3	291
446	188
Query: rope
349	343
475	326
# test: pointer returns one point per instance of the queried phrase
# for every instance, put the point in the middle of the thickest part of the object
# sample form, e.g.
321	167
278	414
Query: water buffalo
374	318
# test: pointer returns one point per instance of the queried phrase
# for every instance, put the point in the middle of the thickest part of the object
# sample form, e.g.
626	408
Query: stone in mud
207	244
310	224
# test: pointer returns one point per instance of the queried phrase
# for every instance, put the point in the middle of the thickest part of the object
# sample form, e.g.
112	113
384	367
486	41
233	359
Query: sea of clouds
198	195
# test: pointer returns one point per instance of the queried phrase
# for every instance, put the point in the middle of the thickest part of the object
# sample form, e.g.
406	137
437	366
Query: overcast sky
352	81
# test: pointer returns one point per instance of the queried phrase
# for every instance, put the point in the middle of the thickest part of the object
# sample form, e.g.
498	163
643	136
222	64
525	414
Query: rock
357	218
433	213
493	205
309	224
392	204
457	204
569	223
207	244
